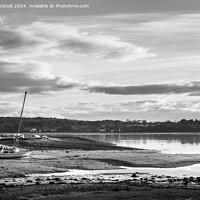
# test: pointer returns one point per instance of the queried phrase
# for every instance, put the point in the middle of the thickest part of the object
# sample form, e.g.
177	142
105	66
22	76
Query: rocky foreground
107	187
20	179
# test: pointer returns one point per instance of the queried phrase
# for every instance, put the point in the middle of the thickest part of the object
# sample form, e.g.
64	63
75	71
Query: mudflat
62	154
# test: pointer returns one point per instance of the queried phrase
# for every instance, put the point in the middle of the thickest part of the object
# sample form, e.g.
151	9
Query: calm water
187	143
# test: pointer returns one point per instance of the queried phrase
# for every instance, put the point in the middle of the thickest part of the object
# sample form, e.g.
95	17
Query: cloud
37	78
170	34
22	47
104	47
7	108
123	108
33	76
14	40
67	42
178	23
148	89
130	107
16	45
101	110
34	110
177	34
195	94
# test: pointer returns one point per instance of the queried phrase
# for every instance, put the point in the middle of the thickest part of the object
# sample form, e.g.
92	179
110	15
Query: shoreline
100	186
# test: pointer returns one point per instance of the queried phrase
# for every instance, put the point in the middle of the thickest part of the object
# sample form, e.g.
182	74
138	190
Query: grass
116	191
65	143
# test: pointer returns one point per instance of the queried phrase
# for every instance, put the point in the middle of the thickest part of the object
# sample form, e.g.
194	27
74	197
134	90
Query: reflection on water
186	143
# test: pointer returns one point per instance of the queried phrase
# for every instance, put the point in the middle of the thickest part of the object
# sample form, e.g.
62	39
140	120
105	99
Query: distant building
33	130
102	129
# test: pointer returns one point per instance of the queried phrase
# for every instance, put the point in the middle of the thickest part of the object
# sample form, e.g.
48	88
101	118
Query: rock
2	185
170	180
153	179
191	178
84	178
134	175
198	179
185	181
57	179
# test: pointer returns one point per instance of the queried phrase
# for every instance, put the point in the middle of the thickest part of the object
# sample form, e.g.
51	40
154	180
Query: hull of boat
19	154
7	138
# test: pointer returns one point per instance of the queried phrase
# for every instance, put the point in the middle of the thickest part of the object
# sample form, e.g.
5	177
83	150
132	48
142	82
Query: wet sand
49	161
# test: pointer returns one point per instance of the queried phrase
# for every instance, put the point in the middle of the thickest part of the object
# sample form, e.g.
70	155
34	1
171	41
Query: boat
14	151
11	136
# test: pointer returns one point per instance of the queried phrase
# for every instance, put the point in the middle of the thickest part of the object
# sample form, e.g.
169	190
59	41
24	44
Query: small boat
6	137
11	136
14	151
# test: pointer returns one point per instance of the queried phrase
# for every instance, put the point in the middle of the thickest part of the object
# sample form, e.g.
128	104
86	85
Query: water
187	171
172	143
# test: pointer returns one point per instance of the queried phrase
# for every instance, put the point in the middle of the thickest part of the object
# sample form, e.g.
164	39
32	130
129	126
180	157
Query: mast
20	121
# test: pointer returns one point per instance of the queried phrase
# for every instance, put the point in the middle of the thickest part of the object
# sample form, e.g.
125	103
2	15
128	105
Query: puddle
193	170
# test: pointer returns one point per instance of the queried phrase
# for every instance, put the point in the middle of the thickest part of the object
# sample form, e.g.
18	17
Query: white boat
14	151
11	136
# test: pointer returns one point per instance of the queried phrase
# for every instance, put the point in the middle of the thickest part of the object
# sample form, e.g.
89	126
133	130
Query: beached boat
11	136
14	151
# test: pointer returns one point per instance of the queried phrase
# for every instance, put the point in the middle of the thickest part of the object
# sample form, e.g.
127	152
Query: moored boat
14	151
11	136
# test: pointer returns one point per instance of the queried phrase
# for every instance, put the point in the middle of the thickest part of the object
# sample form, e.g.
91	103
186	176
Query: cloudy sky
113	59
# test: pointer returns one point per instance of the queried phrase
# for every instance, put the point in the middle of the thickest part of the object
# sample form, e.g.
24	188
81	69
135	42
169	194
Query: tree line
39	124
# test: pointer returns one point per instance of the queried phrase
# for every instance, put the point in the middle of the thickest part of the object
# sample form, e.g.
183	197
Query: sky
105	59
